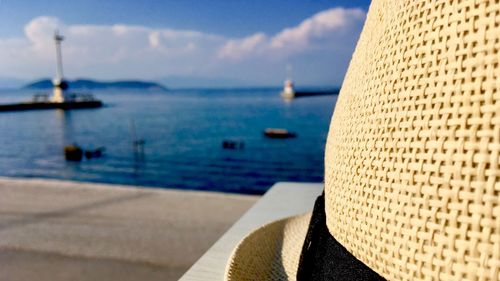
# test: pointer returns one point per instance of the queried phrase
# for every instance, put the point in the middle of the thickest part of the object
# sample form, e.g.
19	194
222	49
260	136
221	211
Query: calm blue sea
183	130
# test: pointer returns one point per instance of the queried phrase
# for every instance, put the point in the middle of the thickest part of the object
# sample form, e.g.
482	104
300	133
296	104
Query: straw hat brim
271	252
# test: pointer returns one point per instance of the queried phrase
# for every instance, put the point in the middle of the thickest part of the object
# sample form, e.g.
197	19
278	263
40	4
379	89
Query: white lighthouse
61	97
288	88
60	86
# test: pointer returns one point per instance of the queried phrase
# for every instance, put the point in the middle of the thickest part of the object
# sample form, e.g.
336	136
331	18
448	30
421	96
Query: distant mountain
93	84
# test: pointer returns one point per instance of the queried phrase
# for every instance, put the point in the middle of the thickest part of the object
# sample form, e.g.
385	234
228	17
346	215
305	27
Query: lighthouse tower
288	89
60	86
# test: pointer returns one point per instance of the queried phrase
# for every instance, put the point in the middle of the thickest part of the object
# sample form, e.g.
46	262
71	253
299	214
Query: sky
246	41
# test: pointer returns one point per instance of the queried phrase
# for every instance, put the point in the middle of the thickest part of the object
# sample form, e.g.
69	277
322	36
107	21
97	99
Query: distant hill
88	84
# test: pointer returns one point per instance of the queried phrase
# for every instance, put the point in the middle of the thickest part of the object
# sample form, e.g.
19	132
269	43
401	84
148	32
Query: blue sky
241	40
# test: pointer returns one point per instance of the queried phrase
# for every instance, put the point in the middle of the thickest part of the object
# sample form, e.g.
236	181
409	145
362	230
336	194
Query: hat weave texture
412	173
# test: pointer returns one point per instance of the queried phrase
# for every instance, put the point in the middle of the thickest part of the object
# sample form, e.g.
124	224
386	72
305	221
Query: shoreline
61	227
124	185
97	184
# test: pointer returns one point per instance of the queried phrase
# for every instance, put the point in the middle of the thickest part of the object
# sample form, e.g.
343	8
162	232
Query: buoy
89	154
73	153
233	144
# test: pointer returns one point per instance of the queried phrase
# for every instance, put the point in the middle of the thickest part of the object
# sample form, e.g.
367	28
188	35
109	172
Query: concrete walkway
56	230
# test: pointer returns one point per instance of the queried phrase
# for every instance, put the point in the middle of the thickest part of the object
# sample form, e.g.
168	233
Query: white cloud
325	26
322	24
37	29
131	51
237	49
107	51
154	39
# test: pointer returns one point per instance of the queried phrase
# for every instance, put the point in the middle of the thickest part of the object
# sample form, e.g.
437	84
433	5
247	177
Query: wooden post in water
137	144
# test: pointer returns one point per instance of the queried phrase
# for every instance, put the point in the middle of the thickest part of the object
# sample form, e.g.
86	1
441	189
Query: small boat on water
275	133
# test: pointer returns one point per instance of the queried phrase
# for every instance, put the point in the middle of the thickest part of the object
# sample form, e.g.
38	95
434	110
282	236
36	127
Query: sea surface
183	132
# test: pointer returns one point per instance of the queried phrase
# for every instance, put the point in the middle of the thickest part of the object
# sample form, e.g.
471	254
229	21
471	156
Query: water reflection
66	127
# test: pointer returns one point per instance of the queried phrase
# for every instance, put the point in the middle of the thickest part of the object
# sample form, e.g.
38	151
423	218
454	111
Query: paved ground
54	230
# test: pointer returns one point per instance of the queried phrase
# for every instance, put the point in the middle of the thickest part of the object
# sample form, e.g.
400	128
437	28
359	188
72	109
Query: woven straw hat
412	164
